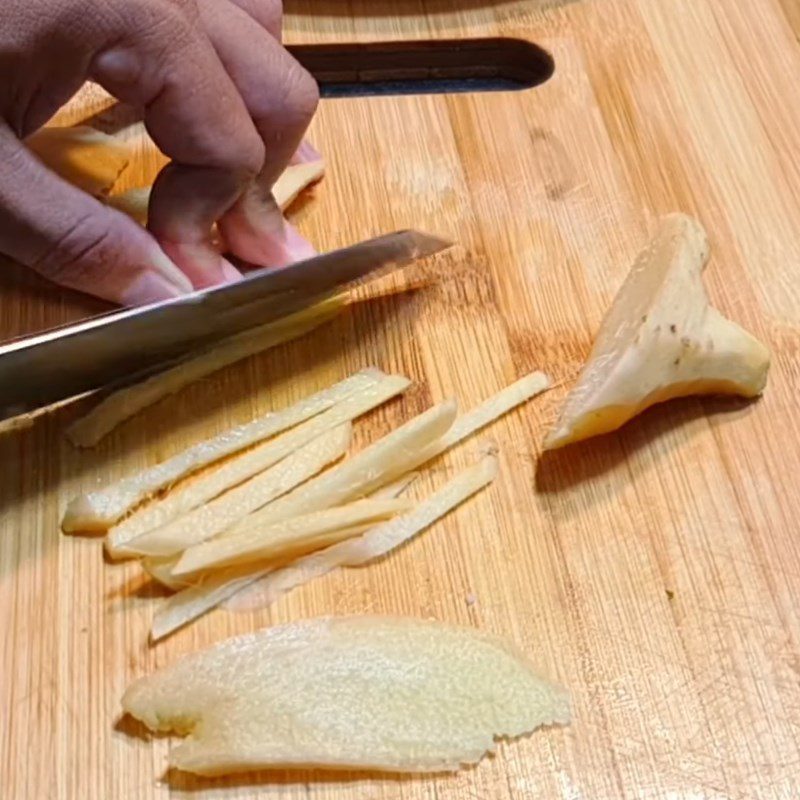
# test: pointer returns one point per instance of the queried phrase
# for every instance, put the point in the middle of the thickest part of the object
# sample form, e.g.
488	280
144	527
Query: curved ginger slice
661	339
82	156
385	693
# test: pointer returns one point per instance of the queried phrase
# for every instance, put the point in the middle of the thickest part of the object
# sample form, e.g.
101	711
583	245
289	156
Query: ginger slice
100	509
386	693
167	527
661	339
88	430
294	179
291	537
285	474
267	586
82	156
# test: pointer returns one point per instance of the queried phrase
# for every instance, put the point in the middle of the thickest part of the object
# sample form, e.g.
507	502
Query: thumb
73	239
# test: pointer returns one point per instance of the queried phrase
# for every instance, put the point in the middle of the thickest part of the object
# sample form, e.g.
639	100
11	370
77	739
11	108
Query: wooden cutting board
655	572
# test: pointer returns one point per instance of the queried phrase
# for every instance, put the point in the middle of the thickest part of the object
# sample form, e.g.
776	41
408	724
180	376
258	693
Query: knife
119	347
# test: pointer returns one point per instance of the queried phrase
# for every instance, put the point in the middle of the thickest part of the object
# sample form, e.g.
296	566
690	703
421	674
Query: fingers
267	13
281	98
72	239
165	63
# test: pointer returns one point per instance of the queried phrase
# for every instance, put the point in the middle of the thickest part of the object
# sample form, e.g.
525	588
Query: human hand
220	96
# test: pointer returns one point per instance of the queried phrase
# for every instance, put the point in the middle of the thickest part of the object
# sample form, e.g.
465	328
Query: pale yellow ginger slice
381	462
98	510
124	403
287	472
294	179
289	538
265	588
236	472
385	693
661	339
82	156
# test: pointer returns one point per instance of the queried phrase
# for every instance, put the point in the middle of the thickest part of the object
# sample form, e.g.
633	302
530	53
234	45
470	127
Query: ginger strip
124	403
100	509
381	462
291	537
324	693
265	588
232	474
285	474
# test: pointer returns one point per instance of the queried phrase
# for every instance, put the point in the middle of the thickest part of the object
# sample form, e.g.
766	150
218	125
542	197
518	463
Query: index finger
196	116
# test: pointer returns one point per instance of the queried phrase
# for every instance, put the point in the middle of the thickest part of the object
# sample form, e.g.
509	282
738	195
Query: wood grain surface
655	572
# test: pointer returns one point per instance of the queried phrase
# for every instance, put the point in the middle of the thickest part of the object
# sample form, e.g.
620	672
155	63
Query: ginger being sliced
98	510
82	156
294	179
266	587
167	527
291	537
381	462
661	339
205	521
369	692
124	403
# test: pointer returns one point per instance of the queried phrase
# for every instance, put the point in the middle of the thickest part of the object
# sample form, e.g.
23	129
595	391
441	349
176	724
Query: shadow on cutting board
559	471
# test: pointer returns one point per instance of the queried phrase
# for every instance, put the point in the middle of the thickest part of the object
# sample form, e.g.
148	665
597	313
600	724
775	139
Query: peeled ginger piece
82	156
385	693
661	339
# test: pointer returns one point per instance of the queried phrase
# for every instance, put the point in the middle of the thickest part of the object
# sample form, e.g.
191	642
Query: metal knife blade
67	361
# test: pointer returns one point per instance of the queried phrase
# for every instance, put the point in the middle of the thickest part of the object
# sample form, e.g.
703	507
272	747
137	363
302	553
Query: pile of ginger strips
247	515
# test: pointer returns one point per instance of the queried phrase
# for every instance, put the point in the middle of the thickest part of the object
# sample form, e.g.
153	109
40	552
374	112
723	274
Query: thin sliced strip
194	601
82	156
289	537
285	474
381	462
490	410
124	403
395	488
266	588
100	509
210	486
364	692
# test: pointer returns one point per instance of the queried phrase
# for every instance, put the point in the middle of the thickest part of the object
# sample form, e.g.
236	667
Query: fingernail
306	153
149	287
297	247
230	273
170	272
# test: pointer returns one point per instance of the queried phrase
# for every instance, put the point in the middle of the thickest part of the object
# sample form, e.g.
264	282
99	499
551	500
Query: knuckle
80	255
296	102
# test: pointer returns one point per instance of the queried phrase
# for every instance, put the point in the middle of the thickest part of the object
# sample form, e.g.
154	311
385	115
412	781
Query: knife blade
74	359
